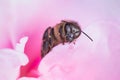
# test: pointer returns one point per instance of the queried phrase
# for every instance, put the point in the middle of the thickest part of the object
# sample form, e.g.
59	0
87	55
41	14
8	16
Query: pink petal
11	61
29	78
86	60
31	17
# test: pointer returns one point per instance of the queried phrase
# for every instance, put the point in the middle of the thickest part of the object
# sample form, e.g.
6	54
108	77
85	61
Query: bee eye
67	28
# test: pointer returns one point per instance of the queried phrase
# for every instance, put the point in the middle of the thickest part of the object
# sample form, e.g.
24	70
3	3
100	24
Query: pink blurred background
99	60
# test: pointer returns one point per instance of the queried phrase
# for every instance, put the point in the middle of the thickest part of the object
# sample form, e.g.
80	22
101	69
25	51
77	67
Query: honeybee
65	31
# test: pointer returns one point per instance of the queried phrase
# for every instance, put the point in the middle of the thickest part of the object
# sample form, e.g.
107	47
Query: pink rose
23	22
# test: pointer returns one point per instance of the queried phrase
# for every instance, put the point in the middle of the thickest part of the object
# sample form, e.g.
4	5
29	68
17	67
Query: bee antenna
87	36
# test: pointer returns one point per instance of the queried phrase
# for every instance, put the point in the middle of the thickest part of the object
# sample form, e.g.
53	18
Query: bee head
72	31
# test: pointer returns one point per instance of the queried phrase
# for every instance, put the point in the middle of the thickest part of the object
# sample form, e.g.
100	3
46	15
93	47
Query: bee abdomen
48	41
61	31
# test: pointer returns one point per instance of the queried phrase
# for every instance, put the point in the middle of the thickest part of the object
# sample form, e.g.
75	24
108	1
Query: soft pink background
86	60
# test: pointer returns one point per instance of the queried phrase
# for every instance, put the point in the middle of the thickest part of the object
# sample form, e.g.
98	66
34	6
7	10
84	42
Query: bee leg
74	42
63	43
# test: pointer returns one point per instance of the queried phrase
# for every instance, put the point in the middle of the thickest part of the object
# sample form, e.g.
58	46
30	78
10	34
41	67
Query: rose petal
86	60
11	61
28	78
20	46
